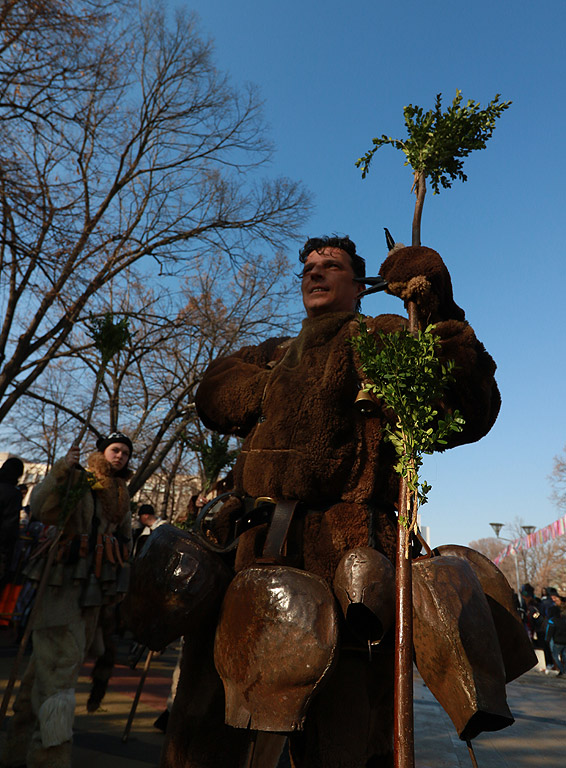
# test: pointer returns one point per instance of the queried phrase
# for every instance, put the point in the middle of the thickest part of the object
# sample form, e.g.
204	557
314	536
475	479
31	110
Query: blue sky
335	74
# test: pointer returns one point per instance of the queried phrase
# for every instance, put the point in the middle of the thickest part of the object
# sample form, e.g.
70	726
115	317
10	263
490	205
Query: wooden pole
403	723
141	683
403	734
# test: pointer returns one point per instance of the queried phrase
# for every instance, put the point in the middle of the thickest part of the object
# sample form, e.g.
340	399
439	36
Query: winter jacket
556	629
96	537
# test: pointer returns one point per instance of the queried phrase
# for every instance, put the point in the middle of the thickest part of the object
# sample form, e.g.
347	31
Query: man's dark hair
333	241
146	509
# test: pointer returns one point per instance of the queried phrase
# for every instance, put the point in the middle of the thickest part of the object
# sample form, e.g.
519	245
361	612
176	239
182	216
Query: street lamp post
528	529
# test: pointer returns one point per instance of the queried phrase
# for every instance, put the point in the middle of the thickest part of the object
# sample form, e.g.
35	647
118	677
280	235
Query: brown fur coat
294	402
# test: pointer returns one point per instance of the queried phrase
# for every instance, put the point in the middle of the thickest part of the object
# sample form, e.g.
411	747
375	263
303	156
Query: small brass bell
365	402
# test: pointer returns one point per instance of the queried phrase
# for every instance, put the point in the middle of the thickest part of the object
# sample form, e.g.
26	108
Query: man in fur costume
92	507
293	400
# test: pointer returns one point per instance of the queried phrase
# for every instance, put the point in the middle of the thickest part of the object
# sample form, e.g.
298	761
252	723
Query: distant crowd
544	618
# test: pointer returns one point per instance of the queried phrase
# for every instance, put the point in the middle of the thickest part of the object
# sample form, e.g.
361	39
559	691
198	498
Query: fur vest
81	490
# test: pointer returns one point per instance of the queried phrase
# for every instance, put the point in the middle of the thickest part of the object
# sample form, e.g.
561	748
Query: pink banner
552	531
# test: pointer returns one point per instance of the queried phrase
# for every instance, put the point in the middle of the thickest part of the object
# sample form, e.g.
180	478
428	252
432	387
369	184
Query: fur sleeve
418	274
475	392
230	395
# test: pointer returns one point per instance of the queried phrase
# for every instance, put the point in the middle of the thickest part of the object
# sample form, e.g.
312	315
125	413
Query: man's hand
418	274
73	456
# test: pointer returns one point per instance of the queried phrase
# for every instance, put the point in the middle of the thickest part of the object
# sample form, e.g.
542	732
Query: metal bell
92	595
34	569
56	575
123	580
81	570
365	402
108	572
364	585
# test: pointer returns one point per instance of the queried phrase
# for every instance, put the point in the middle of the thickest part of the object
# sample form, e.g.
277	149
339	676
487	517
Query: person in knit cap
90	506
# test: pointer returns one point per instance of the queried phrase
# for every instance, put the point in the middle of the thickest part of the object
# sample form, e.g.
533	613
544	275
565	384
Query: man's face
328	283
117	455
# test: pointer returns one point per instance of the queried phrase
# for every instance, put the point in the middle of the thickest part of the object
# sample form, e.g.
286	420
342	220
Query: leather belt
279	515
274	547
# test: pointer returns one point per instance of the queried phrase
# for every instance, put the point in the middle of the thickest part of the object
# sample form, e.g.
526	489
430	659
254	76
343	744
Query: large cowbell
276	642
176	587
468	639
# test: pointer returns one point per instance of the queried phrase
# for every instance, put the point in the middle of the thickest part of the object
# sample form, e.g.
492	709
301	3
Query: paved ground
537	740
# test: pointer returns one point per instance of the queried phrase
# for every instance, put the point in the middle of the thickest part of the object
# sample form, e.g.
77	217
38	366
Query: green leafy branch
109	338
214	456
405	372
437	142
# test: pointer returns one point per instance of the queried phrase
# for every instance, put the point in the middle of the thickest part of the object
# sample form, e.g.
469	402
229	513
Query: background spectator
10	504
150	522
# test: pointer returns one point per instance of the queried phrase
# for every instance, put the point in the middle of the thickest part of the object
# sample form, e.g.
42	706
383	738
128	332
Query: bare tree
557	480
148	387
42	426
543	565
491	547
148	158
46	56
547	563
